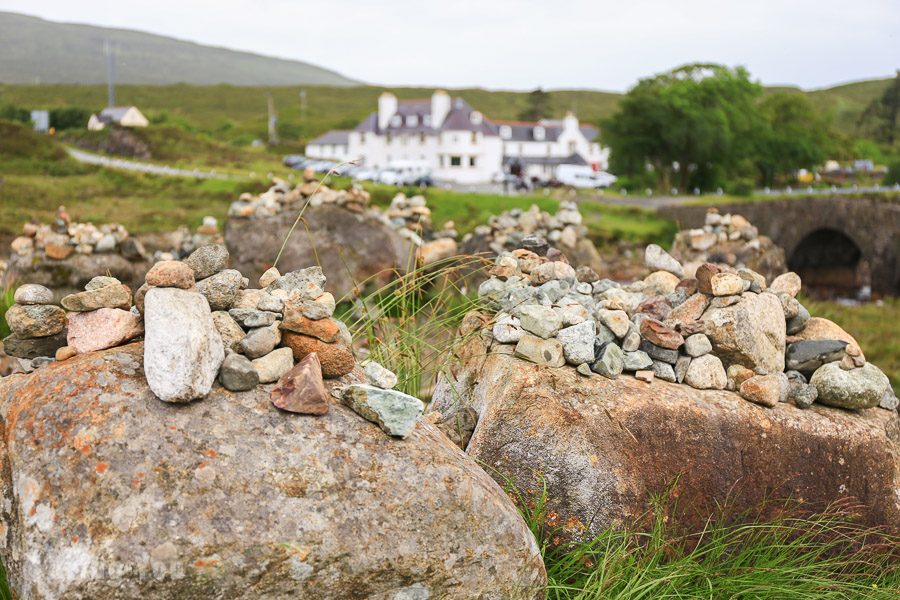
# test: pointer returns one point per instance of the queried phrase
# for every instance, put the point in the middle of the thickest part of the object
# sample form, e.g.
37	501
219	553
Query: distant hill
33	50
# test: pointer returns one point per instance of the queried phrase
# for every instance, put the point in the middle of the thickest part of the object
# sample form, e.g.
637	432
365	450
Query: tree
69	118
692	125
15	113
538	106
885	112
790	135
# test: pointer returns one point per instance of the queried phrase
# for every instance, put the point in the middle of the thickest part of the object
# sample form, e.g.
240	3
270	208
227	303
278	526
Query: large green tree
790	135
690	126
883	113
538	106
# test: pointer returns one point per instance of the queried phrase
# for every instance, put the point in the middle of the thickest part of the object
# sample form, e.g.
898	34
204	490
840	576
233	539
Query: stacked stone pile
281	196
202	323
63	238
724	328
729	240
182	242
507	231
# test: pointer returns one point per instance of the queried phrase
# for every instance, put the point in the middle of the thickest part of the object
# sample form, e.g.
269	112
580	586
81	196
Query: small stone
704	275
269	277
237	373
270	367
542	321
802	394
726	284
229	330
586	274
65	353
506	329
208	260
859	388
578	342
379	376
798	323
321	307
584	369
31	293
101	281
786	283
29	348
221	288
302	390
757	281
102	328
337	359
659	353
637	361
616	320
572	314
688	311
139	297
889	401
112	296
549	271
808	355
660	282
610	362
681	367
251	299
706	373
395	412
655	307
305	284
170	273
326	330
269	303
660	335
789	305
540	351
664	371
251	317
260	341
765	390
41	361
697	345
632	340
738	374
35	320
657	259
58	251
644	376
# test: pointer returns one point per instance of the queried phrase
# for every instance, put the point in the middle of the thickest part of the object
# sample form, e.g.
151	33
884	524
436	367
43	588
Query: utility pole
273	120
110	74
302	106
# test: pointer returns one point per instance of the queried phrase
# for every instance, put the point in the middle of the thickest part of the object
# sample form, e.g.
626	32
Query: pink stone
102	328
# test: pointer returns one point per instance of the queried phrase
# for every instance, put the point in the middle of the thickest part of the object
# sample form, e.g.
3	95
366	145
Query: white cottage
123	116
459	142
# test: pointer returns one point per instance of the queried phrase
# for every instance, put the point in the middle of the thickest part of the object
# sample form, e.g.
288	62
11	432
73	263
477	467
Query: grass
876	326
6	300
821	556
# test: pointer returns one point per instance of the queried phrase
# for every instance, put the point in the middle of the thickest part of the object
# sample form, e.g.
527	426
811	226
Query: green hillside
35	50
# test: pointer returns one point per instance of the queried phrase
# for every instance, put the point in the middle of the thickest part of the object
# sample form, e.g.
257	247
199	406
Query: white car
582	176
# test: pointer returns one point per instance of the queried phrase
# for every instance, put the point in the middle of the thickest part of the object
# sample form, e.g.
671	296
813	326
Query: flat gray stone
395	412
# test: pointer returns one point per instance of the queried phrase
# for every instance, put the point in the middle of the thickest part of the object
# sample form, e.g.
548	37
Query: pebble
808	355
738	374
616	320
250	298
726	284
681	367
251	317
65	353
229	330
237	373
659	353
506	329
208	260
542	321
660	282
269	277
112	296
320	308
269	303
102	328
260	341
697	345
786	283
610	362
765	390
704	275
220	289
584	370
798	323
305	284
802	394
32	293
706	373
326	330
101	281
644	376
859	388
632	340
337	359
270	367
637	361
657	259
395	412
540	351
28	348
578	342
35	320
170	273
664	371
660	335
379	376
555	270
889	401
302	390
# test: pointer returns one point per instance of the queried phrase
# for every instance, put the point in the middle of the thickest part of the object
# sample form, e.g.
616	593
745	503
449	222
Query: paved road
130	165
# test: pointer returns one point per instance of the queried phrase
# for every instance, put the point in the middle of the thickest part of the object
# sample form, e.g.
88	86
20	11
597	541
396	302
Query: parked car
582	176
365	174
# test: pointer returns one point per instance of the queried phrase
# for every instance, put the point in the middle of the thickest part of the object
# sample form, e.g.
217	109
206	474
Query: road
130	165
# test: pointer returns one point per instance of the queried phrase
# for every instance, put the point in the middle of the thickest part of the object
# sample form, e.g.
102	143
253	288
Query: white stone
578	342
658	259
507	329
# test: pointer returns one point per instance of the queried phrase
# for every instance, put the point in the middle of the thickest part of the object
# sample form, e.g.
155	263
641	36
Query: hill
35	50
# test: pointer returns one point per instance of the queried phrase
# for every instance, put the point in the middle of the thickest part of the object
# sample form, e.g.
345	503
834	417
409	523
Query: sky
523	44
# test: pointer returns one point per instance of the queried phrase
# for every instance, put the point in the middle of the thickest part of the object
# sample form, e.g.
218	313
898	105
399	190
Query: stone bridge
840	241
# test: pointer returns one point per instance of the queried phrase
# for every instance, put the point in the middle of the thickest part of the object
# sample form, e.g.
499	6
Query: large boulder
750	332
71	274
351	247
109	493
603	447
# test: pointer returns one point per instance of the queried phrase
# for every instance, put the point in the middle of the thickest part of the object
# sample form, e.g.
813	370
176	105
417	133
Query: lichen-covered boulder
109	493
603	447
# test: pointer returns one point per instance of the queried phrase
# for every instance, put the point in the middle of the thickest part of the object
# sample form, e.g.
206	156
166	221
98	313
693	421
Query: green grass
6	300
821	556
876	326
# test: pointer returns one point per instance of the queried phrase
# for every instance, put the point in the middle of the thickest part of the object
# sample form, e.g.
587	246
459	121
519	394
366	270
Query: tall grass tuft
821	556
6	300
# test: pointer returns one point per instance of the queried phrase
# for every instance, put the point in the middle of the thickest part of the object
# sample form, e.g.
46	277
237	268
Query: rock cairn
202	323
63	238
729	240
509	230
182	242
724	328
281	197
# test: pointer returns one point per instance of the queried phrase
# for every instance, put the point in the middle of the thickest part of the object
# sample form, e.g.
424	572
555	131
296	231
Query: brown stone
657	307
765	390
336	359
65	353
818	328
302	390
170	273
689	310
103	328
704	276
326	330
688	284
658	333
58	251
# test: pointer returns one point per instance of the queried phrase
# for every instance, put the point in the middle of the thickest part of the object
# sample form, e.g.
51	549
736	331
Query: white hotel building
461	144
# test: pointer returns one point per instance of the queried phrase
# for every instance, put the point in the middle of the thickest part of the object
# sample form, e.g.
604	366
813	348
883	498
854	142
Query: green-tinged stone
393	411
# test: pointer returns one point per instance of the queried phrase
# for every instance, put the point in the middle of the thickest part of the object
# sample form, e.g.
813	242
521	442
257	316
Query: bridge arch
830	259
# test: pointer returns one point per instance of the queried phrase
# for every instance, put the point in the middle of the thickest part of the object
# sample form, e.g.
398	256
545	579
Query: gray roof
113	114
458	119
335	136
523	131
573	159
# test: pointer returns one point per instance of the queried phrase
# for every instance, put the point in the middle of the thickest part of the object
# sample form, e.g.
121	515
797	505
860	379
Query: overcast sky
522	44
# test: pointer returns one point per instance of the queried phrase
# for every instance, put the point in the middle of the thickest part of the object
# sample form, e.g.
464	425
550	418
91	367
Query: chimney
570	122
440	107
387	108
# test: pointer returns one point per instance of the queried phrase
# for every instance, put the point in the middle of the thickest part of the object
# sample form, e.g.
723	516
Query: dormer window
539	133
396	121
412	120
476	117
505	132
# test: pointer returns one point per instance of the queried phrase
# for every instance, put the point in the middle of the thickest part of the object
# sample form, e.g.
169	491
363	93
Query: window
471	161
412	120
476	118
455	161
474	137
539	133
505	132
571	148
549	149
422	138
396	121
